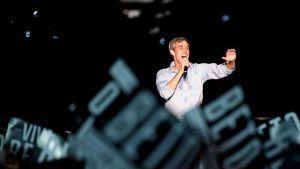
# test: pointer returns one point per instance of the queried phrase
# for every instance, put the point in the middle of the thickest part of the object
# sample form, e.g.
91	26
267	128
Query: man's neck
176	66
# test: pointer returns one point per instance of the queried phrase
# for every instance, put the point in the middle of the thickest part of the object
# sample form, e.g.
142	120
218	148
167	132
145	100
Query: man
181	84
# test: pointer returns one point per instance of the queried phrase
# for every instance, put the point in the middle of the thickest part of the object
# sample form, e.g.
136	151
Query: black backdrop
41	76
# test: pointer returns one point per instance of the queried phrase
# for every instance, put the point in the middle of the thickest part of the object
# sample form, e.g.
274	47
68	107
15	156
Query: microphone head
185	72
185	68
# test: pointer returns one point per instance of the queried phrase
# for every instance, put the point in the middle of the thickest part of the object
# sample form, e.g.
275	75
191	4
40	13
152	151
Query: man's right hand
184	62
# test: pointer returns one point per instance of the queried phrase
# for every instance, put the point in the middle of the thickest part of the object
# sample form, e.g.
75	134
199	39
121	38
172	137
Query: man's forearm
230	64
174	81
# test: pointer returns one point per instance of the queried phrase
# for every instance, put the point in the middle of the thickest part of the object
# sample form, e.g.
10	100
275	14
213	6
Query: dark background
42	76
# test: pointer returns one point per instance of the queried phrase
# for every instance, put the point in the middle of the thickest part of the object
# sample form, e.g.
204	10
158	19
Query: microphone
185	72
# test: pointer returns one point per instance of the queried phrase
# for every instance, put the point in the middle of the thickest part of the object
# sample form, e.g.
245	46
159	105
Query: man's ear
172	52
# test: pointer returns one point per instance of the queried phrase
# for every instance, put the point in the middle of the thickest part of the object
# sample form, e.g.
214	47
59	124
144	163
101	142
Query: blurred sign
34	143
141	135
228	130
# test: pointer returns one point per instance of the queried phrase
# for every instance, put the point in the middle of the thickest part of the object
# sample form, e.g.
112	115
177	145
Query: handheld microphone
185	72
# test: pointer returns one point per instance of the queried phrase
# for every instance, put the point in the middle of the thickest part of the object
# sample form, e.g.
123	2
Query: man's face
182	50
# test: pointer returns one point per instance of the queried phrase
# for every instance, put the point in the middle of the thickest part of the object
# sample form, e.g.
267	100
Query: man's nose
185	52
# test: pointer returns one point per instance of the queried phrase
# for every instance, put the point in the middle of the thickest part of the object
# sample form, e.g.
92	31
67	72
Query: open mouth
183	57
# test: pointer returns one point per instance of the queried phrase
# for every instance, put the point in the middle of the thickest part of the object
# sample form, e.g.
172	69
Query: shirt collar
171	68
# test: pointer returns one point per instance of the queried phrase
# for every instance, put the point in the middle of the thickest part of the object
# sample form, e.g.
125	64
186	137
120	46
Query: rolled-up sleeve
216	71
162	78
